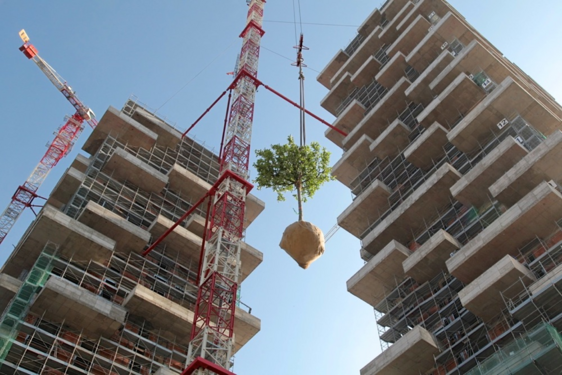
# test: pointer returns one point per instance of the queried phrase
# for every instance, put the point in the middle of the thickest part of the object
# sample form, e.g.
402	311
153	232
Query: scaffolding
411	304
354	44
139	207
403	178
537	352
31	343
368	95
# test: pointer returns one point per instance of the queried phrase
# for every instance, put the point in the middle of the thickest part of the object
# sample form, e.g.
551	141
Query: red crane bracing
59	147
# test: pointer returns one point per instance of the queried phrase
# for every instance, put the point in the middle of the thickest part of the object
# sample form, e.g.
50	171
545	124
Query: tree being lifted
300	170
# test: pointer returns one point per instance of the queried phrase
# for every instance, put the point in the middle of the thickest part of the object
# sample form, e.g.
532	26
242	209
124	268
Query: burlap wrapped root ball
304	242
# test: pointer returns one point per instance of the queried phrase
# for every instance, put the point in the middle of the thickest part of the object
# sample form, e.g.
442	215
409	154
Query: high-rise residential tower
453	158
77	296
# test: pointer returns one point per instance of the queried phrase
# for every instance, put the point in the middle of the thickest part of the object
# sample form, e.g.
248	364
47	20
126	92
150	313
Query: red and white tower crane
59	147
212	336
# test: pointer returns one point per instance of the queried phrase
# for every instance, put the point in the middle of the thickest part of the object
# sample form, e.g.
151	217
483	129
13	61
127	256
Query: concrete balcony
455	101
365	209
391	73
382	114
533	216
9	286
397	12
122	166
409	217
508	98
326	75
339	92
411	36
371	44
392	141
196	225
428	148
187	183
75	240
128	237
472	188
80	163
62	301
447	29
380	275
353	161
429	260
188	245
419	91
66	187
346	122
410	355
176	321
121	126
371	67
541	164
473	58
168	136
483	296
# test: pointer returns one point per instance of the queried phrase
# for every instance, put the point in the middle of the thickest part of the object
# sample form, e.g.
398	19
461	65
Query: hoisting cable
300	64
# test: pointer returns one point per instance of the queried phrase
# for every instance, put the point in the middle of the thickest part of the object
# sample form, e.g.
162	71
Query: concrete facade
78	296
452	156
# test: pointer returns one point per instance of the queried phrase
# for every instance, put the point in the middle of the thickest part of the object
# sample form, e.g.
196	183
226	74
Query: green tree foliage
291	168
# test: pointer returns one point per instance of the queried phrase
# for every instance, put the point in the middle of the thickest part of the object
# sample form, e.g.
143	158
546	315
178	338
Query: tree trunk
299	199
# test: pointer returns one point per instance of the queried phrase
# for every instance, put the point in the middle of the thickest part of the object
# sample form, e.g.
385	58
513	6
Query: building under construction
78	297
453	158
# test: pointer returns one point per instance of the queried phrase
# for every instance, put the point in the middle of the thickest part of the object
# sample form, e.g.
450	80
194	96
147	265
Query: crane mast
212	336
65	138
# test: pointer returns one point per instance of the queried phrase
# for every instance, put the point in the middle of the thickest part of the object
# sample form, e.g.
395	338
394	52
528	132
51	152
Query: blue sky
108	50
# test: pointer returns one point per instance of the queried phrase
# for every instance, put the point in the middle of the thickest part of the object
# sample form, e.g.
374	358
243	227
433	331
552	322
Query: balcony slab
353	161
127	236
392	71
365	209
75	240
175	321
123	166
380	275
508	98
392	141
429	260
326	75
346	122
340	90
188	245
381	115
483	296
408	356
541	164
419	91
535	215
66	187
409	217
120	126
428	148
187	183
411	36
62	301
472	188
456	100
371	43
168	136
448	28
